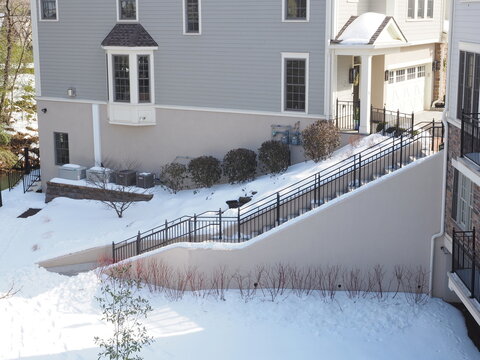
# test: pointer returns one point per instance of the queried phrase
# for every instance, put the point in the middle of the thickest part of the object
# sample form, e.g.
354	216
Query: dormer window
127	10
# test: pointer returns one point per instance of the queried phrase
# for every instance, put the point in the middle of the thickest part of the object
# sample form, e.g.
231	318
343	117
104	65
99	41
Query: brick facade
454	153
440	75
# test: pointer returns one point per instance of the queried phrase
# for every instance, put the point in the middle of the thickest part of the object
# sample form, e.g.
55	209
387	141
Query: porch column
365	93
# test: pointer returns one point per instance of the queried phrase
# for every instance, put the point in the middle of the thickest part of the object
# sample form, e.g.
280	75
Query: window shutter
455	194
461	78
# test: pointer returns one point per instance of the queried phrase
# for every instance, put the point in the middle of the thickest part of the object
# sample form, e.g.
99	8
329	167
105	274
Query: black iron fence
347	115
388	122
255	218
466	262
27	169
470	137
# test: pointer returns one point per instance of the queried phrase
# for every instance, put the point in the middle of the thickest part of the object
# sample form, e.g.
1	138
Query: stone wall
55	190
454	144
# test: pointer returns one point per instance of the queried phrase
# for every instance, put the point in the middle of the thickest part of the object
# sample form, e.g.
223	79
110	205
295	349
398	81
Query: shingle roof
129	35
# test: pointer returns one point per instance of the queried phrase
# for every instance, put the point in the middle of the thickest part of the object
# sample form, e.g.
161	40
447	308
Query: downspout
328	64
445	116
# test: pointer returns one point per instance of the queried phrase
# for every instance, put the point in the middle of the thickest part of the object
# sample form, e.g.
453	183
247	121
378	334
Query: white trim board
425	61
295	56
468	46
196	108
36	54
467	168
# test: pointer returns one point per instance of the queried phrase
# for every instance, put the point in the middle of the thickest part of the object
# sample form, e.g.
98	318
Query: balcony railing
470	137
466	261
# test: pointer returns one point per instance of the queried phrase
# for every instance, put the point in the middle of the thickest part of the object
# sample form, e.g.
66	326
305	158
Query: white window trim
133	74
425	10
469	47
40	18
284	13
294	56
185	19
127	20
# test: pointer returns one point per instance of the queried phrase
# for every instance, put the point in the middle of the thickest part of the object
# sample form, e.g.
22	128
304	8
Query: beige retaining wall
389	223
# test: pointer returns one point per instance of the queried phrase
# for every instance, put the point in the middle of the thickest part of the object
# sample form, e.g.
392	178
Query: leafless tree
15	50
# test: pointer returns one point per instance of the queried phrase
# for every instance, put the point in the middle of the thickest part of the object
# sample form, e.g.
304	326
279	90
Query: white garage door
406	89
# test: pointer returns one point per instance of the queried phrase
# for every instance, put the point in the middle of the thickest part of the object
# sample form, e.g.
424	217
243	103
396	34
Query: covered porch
376	78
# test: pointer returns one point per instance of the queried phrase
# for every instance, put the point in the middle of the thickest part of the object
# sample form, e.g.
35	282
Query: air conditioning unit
72	172
126	177
145	180
99	174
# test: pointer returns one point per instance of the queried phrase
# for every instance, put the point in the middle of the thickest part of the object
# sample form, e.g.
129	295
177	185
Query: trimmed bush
274	156
173	175
205	170
240	165
320	139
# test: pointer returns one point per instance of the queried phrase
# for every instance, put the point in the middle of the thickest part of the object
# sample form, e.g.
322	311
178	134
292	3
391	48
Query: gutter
446	114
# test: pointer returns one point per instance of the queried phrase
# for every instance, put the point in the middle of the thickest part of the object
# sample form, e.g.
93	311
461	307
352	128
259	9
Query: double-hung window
191	17
468	83
296	10
420	9
62	155
127	10
295	82
131	78
462	201
48	10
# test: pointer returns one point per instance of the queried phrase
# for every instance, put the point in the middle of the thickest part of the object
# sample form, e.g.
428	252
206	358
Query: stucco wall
177	133
390	223
72	118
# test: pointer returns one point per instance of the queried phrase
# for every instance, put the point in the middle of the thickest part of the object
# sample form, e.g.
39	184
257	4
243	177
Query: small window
143	79
48	9
121	78
61	149
420	9
421	71
400	75
411	73
192	16
127	10
295	84
391	77
296	9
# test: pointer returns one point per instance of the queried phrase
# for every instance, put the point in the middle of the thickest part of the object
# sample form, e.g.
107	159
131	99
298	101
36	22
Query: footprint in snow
47	235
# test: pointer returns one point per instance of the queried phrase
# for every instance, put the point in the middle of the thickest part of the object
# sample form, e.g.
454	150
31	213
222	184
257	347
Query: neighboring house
148	82
462	195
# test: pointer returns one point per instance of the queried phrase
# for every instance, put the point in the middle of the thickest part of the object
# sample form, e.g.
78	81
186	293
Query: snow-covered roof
369	29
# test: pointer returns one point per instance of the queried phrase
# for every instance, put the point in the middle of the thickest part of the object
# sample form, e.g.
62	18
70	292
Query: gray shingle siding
234	64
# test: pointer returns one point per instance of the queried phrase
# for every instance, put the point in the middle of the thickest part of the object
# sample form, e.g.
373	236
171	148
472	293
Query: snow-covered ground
56	317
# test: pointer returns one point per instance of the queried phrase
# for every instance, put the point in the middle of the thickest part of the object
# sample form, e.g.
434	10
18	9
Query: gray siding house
151	82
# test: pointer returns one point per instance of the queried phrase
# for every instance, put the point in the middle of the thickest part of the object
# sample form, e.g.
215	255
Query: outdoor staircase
261	216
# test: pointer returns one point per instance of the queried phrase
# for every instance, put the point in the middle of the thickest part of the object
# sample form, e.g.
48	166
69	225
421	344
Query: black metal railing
466	262
470	137
390	122
27	169
254	218
347	116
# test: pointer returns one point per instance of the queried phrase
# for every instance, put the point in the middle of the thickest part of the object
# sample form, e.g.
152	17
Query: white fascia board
129	49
